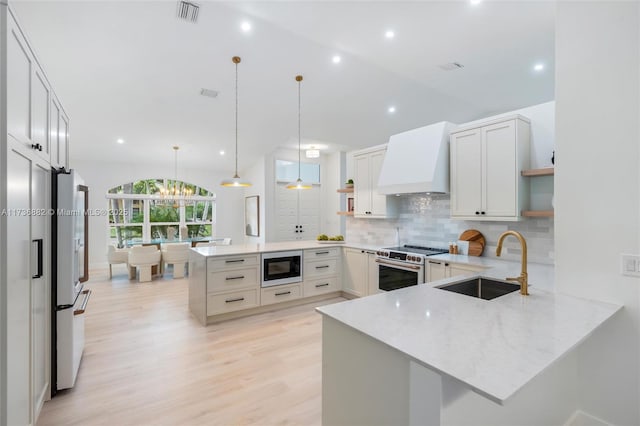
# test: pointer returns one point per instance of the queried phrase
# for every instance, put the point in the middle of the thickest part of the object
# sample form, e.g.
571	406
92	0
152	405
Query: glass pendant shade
299	184
236	181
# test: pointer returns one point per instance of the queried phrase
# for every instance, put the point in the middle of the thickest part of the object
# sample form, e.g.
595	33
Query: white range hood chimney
417	161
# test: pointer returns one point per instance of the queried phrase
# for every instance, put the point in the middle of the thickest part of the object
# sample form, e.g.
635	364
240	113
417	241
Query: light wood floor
148	362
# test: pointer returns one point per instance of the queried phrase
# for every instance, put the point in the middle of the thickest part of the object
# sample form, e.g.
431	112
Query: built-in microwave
281	267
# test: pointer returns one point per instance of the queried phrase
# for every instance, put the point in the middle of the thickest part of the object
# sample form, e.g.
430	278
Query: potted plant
349	184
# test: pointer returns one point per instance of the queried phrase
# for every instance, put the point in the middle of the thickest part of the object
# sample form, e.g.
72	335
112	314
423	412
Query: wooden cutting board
476	241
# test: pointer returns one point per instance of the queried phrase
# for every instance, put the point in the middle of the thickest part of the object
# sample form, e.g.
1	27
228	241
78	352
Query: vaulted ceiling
132	70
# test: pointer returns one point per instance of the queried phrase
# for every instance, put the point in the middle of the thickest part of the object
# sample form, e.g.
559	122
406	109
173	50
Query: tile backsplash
425	220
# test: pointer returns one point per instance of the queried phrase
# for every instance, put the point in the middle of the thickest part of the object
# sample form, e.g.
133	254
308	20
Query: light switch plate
630	265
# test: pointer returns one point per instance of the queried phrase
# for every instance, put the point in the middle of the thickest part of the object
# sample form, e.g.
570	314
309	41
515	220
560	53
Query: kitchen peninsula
421	355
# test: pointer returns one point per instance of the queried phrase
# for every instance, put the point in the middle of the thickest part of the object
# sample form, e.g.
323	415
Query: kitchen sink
483	288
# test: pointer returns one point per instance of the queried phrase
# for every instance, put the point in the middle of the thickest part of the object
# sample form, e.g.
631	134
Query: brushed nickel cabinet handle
239	299
234	261
235	278
322	285
283	293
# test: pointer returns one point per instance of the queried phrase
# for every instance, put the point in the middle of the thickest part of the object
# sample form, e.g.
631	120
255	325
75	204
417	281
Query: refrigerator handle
39	243
87	294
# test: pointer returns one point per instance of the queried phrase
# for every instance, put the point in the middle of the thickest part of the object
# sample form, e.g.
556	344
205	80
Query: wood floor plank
148	362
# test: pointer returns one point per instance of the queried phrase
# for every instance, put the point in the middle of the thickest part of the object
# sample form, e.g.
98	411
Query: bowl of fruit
325	239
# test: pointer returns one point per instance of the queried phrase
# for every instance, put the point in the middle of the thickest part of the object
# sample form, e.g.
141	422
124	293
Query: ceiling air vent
187	11
451	66
209	93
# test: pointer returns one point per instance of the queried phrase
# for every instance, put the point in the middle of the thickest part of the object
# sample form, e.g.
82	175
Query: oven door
394	275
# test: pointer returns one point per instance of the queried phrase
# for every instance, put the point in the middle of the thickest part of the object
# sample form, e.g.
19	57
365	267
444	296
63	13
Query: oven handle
414	267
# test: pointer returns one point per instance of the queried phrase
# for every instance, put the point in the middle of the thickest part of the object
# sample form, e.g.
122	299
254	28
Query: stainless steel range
400	267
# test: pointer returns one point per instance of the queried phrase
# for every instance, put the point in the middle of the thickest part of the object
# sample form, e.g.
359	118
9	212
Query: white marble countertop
236	249
494	346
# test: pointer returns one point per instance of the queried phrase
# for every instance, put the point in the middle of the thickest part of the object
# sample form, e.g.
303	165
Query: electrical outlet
630	265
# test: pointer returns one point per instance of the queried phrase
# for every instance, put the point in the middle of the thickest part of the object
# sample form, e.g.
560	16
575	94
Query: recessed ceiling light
222	152
475	2
120	141
245	26
391	109
389	34
538	67
336	59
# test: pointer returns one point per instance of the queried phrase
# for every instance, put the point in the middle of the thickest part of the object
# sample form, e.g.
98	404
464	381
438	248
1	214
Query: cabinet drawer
234	279
279	294
317	254
228	262
320	286
221	303
320	268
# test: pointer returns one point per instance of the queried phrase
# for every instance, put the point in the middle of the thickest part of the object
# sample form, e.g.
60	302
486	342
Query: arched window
157	210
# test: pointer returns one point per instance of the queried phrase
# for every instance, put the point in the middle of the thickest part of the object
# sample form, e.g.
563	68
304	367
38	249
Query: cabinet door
437	270
40	286
362	186
456	269
466	172
19	63
500	173
372	274
40	104
19	271
63	140
54	132
354	280
378	201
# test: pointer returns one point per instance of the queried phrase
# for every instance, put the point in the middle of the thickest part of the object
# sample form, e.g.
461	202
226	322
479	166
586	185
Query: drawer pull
322	267
235	278
435	263
322	252
322	285
234	261
238	299
283	293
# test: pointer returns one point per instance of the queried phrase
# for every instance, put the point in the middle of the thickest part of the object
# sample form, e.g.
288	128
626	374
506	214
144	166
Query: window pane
199	230
287	171
200	211
125	211
161	232
123	236
160	212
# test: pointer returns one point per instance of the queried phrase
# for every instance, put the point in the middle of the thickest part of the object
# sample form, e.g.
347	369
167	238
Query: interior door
297	210
309	207
286	213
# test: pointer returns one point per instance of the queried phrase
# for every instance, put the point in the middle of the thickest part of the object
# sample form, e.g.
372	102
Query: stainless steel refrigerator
70	270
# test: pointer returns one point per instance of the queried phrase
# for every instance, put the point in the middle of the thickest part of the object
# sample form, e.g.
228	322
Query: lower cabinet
439	269
280	293
233	283
321	271
360	272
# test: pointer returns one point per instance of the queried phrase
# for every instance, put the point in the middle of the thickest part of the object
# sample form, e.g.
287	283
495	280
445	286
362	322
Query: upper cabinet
368	202
35	117
486	160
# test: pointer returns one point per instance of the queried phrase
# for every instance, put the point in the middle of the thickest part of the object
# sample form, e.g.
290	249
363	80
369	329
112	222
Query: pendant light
235	181
298	184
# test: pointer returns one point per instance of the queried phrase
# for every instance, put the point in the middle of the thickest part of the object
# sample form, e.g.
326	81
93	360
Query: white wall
597	192
100	177
256	175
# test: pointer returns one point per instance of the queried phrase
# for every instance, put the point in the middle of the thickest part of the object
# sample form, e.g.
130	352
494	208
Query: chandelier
175	192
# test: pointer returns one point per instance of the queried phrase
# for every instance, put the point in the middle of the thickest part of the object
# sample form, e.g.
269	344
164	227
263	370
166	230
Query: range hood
417	161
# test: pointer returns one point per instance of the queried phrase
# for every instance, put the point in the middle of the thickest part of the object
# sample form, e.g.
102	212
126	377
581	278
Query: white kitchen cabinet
360	272
321	270
232	283
486	160
440	269
25	343
368	202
